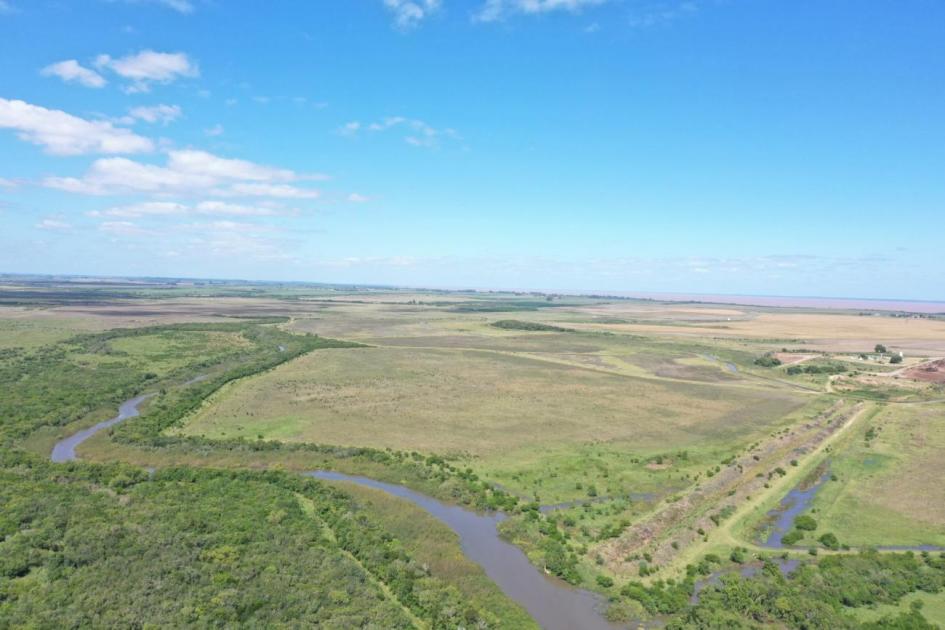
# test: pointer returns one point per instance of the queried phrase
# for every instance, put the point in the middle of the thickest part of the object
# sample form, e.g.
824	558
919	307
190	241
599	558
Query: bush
805	522
829	541
792	537
605	580
767	361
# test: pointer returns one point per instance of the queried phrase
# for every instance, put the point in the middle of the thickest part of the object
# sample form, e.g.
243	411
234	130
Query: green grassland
932	606
888	489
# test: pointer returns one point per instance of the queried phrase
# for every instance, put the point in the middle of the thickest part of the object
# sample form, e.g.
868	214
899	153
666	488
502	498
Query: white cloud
231	209
493	10
181	6
148	67
661	13
123	228
7	183
163	114
157	209
146	208
278	191
350	129
216	130
357	198
409	13
187	171
71	71
202	162
417	132
61	133
117	175
53	224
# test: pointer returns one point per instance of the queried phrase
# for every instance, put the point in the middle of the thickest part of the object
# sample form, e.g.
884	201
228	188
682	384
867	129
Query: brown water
551	602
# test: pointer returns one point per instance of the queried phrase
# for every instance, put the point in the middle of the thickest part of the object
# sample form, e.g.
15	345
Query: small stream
797	501
64	450
791	506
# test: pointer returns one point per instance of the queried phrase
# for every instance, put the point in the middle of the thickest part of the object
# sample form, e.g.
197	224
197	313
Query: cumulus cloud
173	208
71	71
163	114
416	132
187	171
358	198
493	10
61	133
143	209
124	228
53	224
278	191
147	67
181	6
662	13
409	13
202	162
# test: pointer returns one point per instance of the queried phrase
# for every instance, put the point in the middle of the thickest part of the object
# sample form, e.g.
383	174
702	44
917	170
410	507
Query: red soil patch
787	358
933	372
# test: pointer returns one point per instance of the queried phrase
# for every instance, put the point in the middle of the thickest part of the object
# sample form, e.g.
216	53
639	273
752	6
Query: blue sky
714	146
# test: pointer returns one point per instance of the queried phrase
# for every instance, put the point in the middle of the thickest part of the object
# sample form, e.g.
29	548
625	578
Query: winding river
64	450
551	602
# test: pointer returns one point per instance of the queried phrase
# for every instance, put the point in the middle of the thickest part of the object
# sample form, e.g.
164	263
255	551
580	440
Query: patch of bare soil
789	358
930	372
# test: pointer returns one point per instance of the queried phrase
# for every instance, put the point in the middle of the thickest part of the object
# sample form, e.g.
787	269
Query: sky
699	146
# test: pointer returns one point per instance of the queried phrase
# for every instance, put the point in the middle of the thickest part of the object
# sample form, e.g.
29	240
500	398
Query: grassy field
620	411
888	489
507	416
932	606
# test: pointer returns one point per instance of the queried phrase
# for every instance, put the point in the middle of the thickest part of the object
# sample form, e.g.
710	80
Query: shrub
767	361
829	541
605	580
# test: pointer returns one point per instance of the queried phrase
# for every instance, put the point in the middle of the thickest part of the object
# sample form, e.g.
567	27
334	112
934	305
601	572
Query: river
554	604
